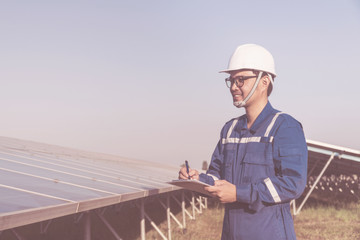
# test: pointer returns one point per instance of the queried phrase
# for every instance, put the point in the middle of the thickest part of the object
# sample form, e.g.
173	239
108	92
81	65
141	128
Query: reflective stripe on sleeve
272	190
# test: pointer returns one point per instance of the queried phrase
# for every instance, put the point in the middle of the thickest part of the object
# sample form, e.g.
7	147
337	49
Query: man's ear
265	81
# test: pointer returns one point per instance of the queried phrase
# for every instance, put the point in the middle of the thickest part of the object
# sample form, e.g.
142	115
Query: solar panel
346	160
40	181
13	200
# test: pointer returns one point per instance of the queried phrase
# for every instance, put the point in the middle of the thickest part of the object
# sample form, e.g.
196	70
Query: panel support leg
17	235
183	208
142	219
107	224
44	226
168	215
316	182
171	214
87	225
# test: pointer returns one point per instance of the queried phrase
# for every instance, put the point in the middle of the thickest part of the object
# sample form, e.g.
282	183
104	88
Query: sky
140	79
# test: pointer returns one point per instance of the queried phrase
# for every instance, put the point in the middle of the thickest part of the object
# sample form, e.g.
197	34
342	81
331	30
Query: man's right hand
192	173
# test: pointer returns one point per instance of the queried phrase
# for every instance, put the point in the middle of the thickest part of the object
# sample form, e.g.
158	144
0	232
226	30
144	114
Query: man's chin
239	104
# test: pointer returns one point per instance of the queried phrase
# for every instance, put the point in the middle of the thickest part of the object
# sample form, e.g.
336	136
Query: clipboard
193	185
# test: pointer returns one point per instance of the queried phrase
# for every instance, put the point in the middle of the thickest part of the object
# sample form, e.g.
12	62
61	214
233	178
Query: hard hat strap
271	79
243	102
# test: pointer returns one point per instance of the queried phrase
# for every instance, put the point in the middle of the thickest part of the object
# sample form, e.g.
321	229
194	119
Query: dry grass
315	222
328	223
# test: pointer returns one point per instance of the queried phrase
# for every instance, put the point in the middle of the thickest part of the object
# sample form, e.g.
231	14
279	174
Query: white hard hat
251	56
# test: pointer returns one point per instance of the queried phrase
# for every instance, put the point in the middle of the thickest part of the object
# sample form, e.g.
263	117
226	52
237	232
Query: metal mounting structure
330	159
202	203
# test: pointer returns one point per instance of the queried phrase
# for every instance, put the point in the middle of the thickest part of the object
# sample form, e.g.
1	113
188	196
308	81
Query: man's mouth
236	96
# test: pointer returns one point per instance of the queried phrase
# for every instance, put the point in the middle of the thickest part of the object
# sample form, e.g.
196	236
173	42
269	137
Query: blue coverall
268	165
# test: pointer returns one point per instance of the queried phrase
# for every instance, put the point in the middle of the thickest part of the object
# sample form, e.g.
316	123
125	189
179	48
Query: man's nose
234	87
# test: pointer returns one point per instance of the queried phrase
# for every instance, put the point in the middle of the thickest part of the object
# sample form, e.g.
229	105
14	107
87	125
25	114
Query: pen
187	168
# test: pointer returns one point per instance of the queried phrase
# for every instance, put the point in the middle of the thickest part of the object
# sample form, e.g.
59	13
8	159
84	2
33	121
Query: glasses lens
240	81
228	82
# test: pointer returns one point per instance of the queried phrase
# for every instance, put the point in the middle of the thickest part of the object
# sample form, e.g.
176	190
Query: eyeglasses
239	81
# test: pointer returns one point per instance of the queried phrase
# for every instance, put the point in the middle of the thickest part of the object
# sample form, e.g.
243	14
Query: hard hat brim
230	70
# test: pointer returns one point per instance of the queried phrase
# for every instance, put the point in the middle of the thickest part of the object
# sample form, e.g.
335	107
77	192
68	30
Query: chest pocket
229	161
257	166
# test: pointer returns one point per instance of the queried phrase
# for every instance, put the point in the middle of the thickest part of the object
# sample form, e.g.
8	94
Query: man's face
240	93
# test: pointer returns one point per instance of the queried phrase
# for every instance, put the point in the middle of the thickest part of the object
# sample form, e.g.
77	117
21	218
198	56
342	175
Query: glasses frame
239	80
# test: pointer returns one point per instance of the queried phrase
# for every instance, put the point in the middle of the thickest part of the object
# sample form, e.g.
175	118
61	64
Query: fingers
183	174
223	190
192	173
219	183
213	190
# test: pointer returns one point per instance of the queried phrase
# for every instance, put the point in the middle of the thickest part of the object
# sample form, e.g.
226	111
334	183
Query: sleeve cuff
243	193
206	179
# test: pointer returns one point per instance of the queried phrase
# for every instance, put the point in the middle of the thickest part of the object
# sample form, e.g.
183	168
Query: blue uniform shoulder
288	121
231	120
228	124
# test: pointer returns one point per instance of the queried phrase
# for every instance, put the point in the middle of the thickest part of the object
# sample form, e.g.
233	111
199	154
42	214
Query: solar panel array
40	181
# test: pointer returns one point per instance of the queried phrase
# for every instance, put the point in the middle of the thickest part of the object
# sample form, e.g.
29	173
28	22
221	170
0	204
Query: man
260	162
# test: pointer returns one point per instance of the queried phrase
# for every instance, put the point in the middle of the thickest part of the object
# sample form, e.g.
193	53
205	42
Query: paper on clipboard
193	185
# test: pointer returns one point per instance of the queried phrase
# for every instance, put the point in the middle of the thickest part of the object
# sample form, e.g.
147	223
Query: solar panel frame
346	160
93	166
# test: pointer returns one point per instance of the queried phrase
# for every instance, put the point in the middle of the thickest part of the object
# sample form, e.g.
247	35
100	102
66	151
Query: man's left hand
223	190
